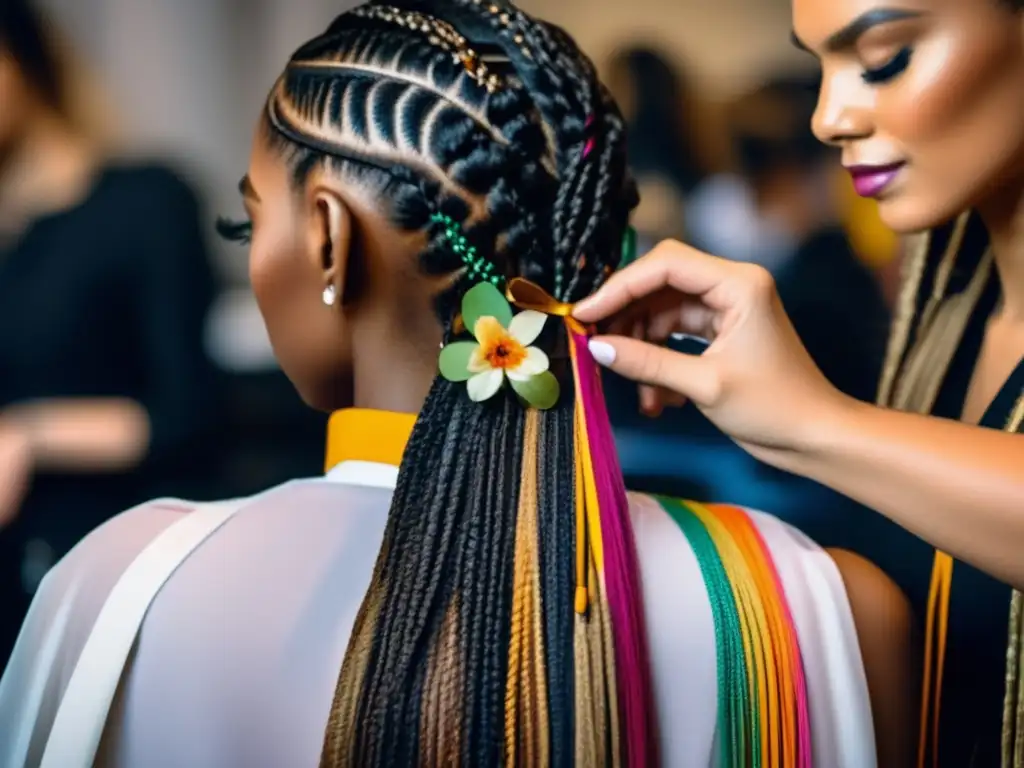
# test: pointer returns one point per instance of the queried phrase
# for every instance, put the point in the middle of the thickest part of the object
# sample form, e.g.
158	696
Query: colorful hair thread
763	713
605	534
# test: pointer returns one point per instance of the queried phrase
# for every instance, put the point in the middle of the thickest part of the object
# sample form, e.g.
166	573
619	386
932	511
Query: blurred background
119	307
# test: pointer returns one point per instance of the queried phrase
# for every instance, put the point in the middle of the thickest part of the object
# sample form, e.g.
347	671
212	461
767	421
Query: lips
872	180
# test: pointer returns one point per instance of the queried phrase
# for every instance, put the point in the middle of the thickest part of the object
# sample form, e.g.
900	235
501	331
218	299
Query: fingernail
603	353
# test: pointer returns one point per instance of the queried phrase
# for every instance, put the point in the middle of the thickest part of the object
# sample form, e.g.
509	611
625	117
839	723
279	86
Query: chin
908	214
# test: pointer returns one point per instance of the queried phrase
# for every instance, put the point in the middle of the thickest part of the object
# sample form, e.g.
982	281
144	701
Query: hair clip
439	33
479	268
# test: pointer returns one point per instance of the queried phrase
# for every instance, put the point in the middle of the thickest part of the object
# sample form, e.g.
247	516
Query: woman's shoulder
99	560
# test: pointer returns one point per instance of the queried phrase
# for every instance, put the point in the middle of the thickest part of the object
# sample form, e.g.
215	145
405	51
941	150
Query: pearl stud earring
330	295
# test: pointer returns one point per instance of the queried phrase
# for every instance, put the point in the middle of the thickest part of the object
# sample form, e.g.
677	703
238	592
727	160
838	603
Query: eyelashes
235	231
889	70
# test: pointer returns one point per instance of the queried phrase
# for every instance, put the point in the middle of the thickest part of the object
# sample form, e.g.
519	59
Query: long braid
528	158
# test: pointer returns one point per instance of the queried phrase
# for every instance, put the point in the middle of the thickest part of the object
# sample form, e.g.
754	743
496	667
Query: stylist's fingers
656	319
689	376
670	265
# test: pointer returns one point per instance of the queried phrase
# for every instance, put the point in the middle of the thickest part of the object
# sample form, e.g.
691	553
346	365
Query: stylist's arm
961	488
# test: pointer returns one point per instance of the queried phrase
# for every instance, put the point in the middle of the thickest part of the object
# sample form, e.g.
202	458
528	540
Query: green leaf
484	300
454	360
540	391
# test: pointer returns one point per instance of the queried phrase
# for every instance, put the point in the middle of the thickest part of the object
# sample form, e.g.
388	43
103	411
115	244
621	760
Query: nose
843	113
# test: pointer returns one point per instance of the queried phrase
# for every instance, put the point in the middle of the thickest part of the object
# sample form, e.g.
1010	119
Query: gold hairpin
441	34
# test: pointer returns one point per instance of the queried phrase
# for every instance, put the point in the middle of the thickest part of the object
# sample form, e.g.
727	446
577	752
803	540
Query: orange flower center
506	353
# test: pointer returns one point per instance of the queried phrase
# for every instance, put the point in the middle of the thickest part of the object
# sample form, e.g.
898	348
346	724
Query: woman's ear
330	243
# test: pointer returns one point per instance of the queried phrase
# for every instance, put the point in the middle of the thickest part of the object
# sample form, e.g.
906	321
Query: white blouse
236	661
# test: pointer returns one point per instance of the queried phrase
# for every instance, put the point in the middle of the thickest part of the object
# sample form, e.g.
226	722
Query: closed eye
235	231
889	70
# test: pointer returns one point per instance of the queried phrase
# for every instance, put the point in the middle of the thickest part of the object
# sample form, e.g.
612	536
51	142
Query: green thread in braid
480	269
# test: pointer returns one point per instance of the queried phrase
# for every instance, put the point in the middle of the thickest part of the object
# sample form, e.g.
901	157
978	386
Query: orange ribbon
524	294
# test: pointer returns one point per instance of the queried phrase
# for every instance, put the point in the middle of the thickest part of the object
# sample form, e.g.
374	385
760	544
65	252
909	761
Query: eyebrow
851	33
247	190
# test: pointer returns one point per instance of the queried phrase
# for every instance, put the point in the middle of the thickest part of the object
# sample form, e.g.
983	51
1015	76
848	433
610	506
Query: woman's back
237	659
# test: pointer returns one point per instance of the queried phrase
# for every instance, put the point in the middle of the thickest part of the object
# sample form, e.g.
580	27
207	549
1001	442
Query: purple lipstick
872	180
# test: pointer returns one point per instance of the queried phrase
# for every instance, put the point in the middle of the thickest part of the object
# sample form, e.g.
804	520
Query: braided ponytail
468	648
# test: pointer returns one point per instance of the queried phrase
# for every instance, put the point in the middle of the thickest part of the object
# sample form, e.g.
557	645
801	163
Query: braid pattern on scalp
424	678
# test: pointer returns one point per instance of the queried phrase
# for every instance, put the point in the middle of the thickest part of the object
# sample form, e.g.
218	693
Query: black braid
349	101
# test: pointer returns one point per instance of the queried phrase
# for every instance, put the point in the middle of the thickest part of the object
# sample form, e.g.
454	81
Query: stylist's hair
465	651
26	38
54	73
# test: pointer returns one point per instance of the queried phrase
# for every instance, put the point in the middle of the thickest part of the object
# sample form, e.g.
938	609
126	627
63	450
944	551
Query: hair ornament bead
442	35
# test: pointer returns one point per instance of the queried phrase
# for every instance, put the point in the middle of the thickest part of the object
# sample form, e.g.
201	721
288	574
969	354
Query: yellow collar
357	434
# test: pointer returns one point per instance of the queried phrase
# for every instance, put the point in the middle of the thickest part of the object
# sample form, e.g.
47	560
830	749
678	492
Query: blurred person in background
105	392
832	297
674	141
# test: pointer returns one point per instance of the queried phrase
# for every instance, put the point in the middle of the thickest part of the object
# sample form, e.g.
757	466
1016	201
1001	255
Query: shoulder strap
82	715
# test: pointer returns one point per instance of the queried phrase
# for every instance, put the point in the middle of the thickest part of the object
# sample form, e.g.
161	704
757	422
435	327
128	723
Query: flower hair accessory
502	351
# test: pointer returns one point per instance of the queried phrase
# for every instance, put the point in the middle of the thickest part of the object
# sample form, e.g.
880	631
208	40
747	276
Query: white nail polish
603	353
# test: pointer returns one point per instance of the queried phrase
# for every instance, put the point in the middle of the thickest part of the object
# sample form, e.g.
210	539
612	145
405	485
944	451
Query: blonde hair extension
914	259
527	735
902	372
1013	701
340	736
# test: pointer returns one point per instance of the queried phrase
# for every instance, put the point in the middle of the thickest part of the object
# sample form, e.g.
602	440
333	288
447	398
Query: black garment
109	298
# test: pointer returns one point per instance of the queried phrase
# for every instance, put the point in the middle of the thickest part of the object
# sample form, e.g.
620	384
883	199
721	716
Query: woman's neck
1004	220
48	168
394	373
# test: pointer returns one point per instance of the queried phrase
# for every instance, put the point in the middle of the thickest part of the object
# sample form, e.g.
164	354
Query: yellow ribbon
525	294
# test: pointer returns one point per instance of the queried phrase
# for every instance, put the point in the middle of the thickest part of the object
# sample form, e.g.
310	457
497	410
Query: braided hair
471	110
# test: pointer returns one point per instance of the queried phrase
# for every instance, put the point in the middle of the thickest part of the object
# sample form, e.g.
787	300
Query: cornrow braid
399	113
467	648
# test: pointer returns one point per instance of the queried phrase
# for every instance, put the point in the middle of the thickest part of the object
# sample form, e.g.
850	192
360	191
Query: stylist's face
925	98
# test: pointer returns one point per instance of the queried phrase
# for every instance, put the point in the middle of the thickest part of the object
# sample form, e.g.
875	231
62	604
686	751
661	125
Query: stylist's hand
755	381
